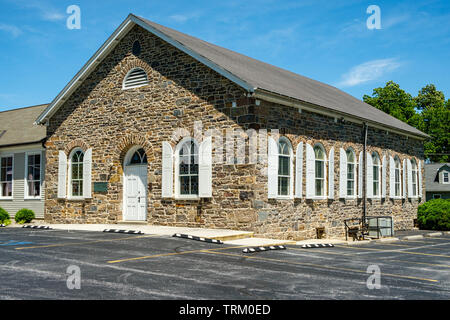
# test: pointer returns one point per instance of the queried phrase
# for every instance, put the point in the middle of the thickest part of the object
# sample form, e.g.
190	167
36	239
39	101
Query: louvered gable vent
137	77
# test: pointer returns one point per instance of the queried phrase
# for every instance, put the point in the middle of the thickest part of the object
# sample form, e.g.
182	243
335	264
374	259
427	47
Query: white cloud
182	18
368	71
13	30
45	10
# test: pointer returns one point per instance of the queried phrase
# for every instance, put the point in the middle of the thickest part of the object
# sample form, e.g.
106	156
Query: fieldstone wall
102	116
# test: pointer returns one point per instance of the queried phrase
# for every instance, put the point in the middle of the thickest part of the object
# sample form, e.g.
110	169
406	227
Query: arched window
319	155
138	157
376	167
284	167
414	173
187	167
350	172
76	173
136	77
397	176
136	50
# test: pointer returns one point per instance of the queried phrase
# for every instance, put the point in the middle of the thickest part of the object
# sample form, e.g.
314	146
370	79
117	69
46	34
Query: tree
429	97
394	101
428	112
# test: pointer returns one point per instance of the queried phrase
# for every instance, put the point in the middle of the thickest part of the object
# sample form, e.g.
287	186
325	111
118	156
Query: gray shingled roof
432	179
267	77
16	126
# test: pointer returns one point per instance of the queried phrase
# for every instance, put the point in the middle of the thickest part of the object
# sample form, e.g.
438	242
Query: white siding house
22	161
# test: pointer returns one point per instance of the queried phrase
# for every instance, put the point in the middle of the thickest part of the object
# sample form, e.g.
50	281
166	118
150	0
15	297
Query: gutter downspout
364	172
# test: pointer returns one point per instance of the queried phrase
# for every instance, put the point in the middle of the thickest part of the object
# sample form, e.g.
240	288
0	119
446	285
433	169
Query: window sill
318	198
6	198
284	198
193	198
32	198
75	198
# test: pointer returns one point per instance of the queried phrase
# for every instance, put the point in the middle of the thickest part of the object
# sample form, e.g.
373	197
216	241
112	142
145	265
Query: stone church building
164	128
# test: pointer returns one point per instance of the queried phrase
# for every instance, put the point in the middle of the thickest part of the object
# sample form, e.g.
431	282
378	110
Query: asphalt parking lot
39	264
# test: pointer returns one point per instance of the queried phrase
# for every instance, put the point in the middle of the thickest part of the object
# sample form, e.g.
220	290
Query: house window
319	155
76	173
6	176
188	168
436	196
445	177
397	177
376	174
284	167
136	77
33	171
350	173
414	177
139	157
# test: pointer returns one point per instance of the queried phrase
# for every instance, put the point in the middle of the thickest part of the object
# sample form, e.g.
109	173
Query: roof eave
294	102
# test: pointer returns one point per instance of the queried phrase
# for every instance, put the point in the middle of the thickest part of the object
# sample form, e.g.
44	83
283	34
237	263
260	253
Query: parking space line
172	254
321	251
407	246
83	243
320	266
421	241
399	251
416	262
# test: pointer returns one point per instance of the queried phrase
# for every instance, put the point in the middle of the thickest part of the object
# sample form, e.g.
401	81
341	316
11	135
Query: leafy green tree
428	112
429	97
394	101
435	121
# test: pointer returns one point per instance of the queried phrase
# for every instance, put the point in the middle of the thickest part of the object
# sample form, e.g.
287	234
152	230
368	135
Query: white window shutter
331	174
383	177
272	168
62	175
404	179
409	177
369	176
205	169
167	170
310	171
391	177
419	168
342	173
87	174
299	170
360	175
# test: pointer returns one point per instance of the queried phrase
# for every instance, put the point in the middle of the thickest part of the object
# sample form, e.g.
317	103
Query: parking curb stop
259	249
186	236
415	237
36	227
317	245
123	231
433	234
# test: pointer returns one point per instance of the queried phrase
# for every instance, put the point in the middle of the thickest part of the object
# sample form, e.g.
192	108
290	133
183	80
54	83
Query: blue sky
325	40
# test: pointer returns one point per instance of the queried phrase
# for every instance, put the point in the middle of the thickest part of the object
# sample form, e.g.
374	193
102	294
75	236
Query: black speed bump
259	249
186	236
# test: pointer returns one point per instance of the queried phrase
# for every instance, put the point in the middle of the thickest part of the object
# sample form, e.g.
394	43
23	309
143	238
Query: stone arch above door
130	141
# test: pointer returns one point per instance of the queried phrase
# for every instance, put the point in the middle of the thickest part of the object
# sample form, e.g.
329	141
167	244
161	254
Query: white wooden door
135	193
